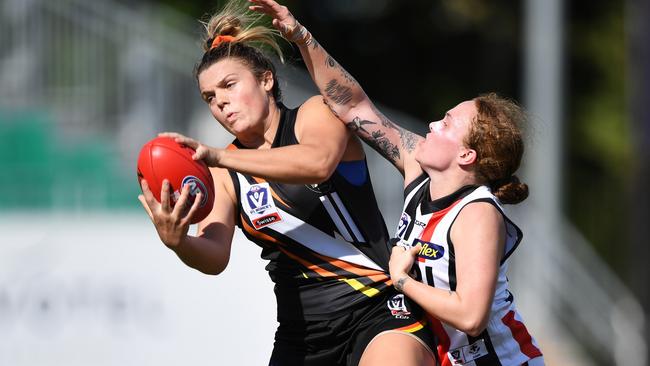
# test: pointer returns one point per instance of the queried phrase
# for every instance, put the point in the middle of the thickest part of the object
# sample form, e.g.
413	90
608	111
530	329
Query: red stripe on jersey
521	335
434	221
443	340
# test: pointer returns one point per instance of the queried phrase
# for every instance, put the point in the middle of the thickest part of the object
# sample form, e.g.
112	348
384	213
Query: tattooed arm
345	96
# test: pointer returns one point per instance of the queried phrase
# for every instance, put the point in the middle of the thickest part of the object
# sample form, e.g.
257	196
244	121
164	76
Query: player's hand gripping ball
163	158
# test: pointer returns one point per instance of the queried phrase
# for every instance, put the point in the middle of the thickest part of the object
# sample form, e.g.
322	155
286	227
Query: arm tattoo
384	121
376	139
331	63
314	43
338	93
356	124
407	138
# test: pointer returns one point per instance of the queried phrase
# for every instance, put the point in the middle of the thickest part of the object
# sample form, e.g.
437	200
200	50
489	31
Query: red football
164	158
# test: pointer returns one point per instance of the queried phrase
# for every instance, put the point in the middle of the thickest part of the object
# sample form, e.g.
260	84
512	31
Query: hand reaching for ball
210	155
172	221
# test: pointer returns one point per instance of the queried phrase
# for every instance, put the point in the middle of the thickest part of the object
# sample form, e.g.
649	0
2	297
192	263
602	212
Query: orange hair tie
220	39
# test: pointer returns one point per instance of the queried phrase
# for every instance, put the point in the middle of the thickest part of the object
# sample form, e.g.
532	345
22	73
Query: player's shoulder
315	117
315	101
479	213
315	105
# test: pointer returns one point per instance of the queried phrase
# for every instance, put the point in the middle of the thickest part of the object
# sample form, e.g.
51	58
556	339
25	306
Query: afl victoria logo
196	186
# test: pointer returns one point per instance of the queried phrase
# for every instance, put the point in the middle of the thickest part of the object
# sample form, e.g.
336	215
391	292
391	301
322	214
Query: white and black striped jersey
327	244
506	340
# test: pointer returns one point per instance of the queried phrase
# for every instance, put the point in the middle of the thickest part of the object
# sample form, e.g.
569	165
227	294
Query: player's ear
466	156
267	80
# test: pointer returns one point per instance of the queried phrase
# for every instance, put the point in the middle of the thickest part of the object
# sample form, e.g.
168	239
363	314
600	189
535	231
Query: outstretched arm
344	95
312	160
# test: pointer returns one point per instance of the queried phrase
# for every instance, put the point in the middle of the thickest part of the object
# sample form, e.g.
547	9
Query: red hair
496	137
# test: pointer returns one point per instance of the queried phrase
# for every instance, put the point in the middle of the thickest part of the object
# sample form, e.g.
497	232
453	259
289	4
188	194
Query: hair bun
510	190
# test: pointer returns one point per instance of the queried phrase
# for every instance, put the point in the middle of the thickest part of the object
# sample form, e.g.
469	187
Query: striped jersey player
505	340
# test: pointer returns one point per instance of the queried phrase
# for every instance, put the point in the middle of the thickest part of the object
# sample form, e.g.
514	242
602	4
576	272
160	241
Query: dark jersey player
297	185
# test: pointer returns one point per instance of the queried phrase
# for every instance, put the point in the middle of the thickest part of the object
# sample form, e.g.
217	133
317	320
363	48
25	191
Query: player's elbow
213	267
322	173
213	271
474	325
321	166
475	330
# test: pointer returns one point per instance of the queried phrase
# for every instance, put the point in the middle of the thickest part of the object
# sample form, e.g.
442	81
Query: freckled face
444	142
237	99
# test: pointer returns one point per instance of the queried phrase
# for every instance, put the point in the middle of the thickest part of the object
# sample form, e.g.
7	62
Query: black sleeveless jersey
327	244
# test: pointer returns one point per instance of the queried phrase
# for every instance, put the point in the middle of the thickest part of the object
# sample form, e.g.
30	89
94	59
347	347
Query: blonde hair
249	39
237	21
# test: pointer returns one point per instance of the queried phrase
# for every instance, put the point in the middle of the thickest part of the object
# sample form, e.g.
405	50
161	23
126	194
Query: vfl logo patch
260	206
397	307
429	250
258	199
404	221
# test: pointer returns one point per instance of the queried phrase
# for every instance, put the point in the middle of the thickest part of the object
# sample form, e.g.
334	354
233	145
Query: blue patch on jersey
429	250
258	197
404	222
353	171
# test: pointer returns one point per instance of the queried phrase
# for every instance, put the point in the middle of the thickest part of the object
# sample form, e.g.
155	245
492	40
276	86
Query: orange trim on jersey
275	195
258	234
354	283
435	219
352	268
232	147
314	267
413	327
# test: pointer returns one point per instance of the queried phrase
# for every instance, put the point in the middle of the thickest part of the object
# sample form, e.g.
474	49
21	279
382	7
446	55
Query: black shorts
342	340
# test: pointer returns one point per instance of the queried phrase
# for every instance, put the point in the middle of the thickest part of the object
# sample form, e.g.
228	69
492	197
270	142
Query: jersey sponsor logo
429	250
196	187
397	307
266	220
420	223
403	224
469	353
260	206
